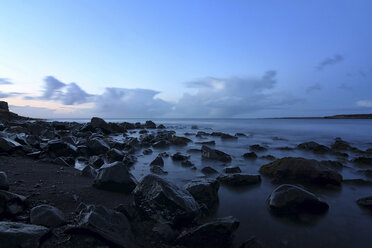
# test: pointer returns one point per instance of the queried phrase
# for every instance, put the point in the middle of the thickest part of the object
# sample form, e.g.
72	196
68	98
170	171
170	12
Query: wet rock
365	202
14	234
232	169
214	154
8	145
89	171
179	156
213	234
156	169
314	147
165	232
114	155
200	134
252	243
150	125
301	170
290	199
147	152
97	146
129	159
161	126
250	155
4	184
268	157
58	148
96	122
47	215
161	144
11	203
369	151
115	177
143	131
187	163
157	161
180	141
110	225
96	162
257	148
161	200
332	164
212	143
241	135
164	154
208	170
358	182
340	144
194	127
193	150
237	180
204	191
226	136
363	161
367	173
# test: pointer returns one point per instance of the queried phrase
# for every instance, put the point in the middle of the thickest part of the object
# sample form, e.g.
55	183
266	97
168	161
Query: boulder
257	148
156	169
115	177
96	122
150	124
4	106
161	200
8	145
96	162
226	136
314	147
240	179
250	155
114	155
208	170
129	159
291	199
180	141
157	161
4	184
232	169
214	234
187	163
179	157
340	144
332	164
214	154
161	144
89	171
47	215
14	234
147	152
11	203
365	202
97	146
107	224
204	191
161	126
291	169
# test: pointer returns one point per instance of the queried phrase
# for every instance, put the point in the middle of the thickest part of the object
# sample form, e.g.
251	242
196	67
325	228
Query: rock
237	180
157	161
213	234
332	164
257	148
226	136
165	231
161	144
13	234
147	152
367	173
156	169
129	159
4	184
96	146
340	144
187	163
212	143
143	131
240	135
96	122
194	127
204	191
250	155
232	169
314	147
251	243
268	157
369	151
11	203
358	182
150	125
115	177
301	170
290	199
161	200
114	155
4	106
161	126
365	202
208	170
58	148
180	141
179	157
200	134
8	145
96	162
214	154
363	161
89	171
47	215
107	224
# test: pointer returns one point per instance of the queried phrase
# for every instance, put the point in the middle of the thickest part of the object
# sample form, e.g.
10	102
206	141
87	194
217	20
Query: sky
186	59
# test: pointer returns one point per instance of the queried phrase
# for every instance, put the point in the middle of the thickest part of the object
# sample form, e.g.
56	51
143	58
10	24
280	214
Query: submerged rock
250	155
365	202
47	215
257	148
213	234
180	141
161	200
205	191
290	199
301	170
179	157
239	179
232	169
115	177
208	170
214	154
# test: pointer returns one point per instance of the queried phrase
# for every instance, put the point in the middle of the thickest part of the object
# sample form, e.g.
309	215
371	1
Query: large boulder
301	170
150	124
213	234
115	177
239	179
214	154
291	199
14	234
107	224
96	122
47	215
4	184
204	191
161	200
59	148
8	145
97	146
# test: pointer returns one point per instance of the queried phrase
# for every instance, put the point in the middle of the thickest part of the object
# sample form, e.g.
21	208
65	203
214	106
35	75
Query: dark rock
8	145
194	127
340	144
11	203
4	184
115	177
161	126
114	155
164	154
204	191
179	157
369	151
367	173
250	155
314	147
200	134
161	200
251	243
290	199
127	125
214	154
143	131
208	170
237	180
161	144
180	141
165	232
89	171
301	170
363	161
332	164
97	146
193	150
365	202
213	234
226	136
129	159
101	124
13	234
150	125
157	161
232	169
4	106
212	143
358	182
156	169
257	148
147	152
241	135
46	215
187	163
65	161
268	157
96	162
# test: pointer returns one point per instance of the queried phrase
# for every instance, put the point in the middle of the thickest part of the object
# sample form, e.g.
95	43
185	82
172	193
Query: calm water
345	224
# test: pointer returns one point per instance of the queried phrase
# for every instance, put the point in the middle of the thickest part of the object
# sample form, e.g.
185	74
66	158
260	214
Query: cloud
345	87
5	81
51	88
9	94
314	87
4	95
364	103
330	61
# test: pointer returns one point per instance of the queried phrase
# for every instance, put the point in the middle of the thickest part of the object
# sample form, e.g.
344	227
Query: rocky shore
68	184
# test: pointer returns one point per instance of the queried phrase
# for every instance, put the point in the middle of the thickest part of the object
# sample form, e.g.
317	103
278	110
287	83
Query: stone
241	179
250	155
251	243
300	170
114	155
8	145
161	200
314	147
11	203
332	164
268	157
179	157
89	171
180	141
340	144
214	154
59	148
47	215
96	162
14	234
161	126
291	199
208	170
4	183
232	169
115	177
365	202
156	169
214	234
4	106
165	231
187	163
257	148
363	161
147	152
150	124
97	146
157	161
211	143
96	122
226	136
204	191
161	144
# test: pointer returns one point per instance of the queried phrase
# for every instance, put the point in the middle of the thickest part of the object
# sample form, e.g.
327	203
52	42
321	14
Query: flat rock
180	141
179	156
47	215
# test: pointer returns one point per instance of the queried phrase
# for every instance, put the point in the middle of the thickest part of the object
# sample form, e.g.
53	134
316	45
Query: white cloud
4	81
364	103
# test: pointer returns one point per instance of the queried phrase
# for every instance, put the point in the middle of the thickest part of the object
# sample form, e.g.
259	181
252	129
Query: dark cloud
5	81
52	88
313	87
330	61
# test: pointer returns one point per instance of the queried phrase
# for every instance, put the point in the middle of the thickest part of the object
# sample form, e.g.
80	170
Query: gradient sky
186	58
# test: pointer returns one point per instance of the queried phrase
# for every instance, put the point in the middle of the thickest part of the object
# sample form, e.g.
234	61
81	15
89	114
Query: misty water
344	225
